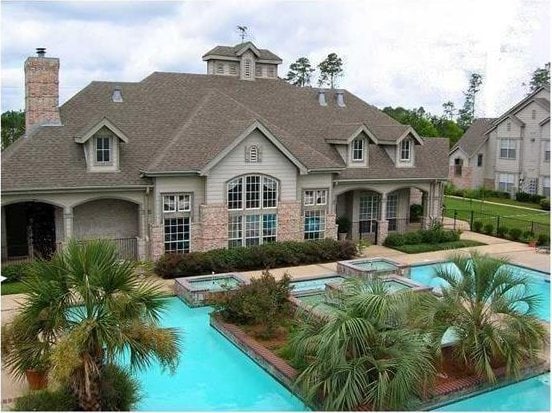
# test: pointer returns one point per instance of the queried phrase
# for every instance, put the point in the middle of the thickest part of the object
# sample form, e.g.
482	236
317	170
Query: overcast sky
395	52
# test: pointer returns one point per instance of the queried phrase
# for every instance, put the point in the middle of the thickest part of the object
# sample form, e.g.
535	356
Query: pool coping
195	296
274	365
472	386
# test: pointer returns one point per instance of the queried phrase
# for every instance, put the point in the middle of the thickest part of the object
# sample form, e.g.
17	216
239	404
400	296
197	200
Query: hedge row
422	236
478	193
273	255
514	234
525	197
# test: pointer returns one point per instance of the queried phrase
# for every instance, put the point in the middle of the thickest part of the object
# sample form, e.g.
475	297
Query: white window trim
110	141
261	198
314	197
243	229
362	150
507	144
409	150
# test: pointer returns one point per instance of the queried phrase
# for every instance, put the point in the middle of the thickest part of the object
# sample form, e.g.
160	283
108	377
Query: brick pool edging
466	387
266	359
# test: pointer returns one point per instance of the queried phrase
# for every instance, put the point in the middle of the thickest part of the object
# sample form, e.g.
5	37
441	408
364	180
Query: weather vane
242	30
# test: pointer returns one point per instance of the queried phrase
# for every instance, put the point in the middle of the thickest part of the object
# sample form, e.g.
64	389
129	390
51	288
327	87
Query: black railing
478	221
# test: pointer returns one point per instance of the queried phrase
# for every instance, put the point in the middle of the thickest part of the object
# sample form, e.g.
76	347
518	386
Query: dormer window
103	150
358	150
406	150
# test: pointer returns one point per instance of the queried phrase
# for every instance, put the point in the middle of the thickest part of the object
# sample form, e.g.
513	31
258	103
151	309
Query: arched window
251	200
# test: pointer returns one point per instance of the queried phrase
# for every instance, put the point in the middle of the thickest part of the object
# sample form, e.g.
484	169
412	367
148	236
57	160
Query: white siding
189	184
273	163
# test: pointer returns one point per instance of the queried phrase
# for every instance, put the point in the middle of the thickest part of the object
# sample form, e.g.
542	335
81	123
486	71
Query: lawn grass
417	248
14	287
513	202
510	216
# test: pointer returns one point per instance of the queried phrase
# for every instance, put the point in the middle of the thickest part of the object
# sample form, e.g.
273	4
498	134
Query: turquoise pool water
216	284
376	265
315	284
531	395
213	375
540	283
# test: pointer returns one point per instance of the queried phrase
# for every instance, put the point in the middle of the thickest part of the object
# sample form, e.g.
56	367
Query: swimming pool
532	395
213	374
540	283
318	283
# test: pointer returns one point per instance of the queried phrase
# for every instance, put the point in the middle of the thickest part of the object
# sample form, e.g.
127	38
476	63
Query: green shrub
545	204
543	239
525	197
527	236
14	272
47	400
477	226
488	229
343	224
449	189
394	240
411	238
515	234
502	231
272	255
263	302
120	390
416	211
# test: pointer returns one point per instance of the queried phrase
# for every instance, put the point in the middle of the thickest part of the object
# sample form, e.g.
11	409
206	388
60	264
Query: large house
510	153
189	162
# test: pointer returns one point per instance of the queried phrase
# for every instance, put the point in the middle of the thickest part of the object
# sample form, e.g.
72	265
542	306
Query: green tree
365	354
539	78
331	69
466	115
300	72
449	110
93	309
13	127
419	119
491	313
448	129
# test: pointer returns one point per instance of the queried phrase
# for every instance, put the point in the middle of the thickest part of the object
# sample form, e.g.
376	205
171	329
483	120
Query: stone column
67	224
383	224
331	226
156	242
425	211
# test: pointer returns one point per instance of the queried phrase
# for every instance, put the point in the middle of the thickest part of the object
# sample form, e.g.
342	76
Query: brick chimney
41	91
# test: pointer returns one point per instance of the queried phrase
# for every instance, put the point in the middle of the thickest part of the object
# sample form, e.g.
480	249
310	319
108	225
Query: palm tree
91	309
491	312
365	353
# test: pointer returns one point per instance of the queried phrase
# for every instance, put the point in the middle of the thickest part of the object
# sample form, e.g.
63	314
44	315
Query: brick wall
290	223
464	181
41	92
214	227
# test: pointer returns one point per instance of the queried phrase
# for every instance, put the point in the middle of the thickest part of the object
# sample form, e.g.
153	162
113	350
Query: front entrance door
369	215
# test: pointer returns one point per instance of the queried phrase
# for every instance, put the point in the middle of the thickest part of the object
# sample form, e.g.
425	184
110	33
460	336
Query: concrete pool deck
517	252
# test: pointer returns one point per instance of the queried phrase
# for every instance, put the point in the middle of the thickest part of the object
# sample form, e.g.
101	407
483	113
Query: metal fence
127	248
498	222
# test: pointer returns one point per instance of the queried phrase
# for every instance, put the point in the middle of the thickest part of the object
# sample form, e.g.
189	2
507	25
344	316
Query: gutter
369	180
77	189
168	173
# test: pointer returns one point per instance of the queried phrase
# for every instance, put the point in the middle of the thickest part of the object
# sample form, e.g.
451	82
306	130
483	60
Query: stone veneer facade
41	92
289	221
463	181
214	227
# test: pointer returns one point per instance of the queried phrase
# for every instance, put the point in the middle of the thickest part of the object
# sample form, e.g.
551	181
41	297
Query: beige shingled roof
232	51
180	122
474	136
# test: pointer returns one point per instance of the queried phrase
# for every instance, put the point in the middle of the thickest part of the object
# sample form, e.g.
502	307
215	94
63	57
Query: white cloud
396	52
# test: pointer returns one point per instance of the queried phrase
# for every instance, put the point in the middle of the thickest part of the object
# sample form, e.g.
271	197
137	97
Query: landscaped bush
545	204
502	231
527	236
119	392
543	239
435	235
525	197
14	272
416	211
262	302
477	226
479	193
488	229
515	234
273	255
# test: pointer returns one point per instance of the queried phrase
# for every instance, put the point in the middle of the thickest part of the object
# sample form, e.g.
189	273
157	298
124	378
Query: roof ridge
159	157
